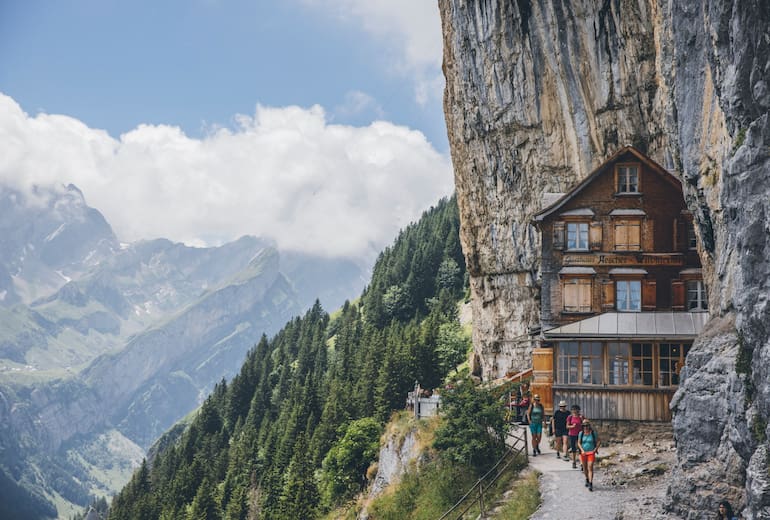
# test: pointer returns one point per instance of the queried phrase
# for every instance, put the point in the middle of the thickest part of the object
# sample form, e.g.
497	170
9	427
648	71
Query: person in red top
574	424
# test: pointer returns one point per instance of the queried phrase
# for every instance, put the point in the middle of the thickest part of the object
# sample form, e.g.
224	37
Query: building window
641	363
628	235
591	362
577	236
628	295
577	294
696	296
618	354
670	362
628	179
579	363
568	362
692	241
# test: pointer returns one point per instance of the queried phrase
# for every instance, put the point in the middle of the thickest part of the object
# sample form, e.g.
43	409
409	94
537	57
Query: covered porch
617	365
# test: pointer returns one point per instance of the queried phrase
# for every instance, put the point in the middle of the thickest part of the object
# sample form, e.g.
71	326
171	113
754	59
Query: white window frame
626	304
696	297
692	241
625	173
580	232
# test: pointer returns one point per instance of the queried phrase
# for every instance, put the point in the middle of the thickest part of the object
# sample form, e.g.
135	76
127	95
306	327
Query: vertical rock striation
539	93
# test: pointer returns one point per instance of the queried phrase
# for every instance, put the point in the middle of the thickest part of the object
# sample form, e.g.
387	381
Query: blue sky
315	122
193	63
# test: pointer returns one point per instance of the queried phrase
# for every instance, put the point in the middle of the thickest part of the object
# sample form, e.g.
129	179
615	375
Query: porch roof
633	325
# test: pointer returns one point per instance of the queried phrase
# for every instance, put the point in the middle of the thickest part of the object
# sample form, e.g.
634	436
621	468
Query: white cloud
412	28
357	103
285	173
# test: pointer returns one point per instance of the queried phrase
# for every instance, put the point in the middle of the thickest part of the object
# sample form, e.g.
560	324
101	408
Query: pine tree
300	493
204	506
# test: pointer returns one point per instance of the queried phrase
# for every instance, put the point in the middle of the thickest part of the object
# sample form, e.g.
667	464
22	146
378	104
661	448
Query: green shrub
426	494
473	433
345	465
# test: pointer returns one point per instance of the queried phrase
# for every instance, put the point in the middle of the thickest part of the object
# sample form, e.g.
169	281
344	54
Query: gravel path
623	485
564	493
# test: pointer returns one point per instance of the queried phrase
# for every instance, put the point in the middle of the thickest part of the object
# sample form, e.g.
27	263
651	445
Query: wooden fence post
481	499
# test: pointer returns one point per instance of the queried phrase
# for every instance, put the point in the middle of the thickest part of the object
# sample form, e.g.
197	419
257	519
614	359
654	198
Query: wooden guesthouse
622	292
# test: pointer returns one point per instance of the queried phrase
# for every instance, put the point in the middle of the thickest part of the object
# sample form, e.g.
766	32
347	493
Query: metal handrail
510	455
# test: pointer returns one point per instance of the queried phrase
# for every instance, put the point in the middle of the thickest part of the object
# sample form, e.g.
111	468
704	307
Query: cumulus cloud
283	173
411	28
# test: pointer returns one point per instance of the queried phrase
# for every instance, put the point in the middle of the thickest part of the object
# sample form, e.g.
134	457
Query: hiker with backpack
574	423
535	416
559	427
588	444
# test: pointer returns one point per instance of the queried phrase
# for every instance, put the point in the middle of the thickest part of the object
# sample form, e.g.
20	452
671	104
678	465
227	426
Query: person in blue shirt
588	444
535	416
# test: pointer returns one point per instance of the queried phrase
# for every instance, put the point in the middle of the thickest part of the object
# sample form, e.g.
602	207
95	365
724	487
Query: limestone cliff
538	94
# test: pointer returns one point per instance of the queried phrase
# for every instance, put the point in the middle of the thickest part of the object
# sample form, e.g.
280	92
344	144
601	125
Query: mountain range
104	345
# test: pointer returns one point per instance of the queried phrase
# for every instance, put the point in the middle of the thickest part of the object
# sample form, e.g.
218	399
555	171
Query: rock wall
399	452
539	93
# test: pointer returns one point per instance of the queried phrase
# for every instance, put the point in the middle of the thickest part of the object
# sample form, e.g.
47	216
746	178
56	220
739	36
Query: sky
317	123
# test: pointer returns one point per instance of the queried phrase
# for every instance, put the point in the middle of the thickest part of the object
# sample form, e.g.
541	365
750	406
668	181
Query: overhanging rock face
540	93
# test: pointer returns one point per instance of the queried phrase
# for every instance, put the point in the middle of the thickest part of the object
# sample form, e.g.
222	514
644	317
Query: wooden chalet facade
622	292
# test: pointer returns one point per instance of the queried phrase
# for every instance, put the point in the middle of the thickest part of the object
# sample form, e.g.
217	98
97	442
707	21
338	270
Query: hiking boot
590	486
534	453
587	483
538	451
574	465
558	455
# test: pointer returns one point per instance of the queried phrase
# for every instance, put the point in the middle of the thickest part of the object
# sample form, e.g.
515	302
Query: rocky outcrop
398	453
540	93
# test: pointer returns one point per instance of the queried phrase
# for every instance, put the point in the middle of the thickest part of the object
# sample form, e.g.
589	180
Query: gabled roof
633	325
652	165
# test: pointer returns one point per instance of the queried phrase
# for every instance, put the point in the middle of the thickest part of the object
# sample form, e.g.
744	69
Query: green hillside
292	434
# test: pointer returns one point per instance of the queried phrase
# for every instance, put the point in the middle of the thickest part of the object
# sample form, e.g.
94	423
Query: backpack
593	435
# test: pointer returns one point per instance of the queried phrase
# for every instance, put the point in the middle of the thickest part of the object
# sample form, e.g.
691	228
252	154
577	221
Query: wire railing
517	443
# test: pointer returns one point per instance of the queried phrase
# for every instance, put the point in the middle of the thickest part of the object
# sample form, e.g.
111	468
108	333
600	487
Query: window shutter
677	295
634	238
595	236
621	236
585	296
570	291
649	293
558	235
648	235
608	295
678	240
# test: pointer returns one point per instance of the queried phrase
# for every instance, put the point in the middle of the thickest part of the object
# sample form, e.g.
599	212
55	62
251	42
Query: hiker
574	423
725	511
535	415
588	443
559	428
523	404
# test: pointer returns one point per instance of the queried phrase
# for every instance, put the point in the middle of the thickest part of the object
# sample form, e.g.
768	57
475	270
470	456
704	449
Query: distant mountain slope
291	435
105	340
